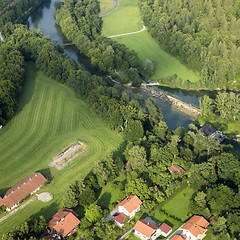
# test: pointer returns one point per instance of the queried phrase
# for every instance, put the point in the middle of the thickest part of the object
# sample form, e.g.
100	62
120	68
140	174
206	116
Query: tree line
80	23
202	34
15	10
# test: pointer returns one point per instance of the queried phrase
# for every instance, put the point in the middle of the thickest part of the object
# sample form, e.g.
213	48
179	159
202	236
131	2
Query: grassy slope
106	5
126	18
49	119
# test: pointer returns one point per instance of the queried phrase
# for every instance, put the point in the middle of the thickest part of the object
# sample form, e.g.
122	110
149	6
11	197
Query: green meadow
49	119
126	18
106	5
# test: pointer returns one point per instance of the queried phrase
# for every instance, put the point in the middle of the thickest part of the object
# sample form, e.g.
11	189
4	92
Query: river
43	19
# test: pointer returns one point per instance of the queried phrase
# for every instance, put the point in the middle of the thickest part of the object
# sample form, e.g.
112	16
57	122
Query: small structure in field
209	130
68	155
176	169
20	191
1	126
45	197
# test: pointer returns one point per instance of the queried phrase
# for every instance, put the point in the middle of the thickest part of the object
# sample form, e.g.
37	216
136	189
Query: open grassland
106	5
126	18
49	119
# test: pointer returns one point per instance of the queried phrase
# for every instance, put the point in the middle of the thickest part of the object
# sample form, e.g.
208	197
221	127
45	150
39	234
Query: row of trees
202	34
227	104
28	230
15	10
11	78
80	23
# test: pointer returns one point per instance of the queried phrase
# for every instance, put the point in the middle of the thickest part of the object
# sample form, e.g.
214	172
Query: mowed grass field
126	18
106	5
49	119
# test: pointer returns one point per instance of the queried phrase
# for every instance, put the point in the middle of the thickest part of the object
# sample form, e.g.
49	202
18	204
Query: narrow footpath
124	34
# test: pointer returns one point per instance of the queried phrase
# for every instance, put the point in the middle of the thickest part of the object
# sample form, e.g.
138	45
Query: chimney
57	222
127	198
195	225
62	219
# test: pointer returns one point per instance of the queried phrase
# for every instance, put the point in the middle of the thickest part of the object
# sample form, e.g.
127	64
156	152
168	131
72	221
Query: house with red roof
194	229
119	219
64	223
165	229
17	193
129	206
146	230
176	169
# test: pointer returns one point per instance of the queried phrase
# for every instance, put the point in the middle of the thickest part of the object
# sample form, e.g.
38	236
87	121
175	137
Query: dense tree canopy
202	34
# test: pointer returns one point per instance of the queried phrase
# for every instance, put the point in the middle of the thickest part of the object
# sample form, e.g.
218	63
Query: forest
16	11
80	23
202	34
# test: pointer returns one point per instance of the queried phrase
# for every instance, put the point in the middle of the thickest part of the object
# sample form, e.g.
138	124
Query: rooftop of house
145	228
130	203
64	221
165	228
177	237
120	218
208	129
22	189
196	225
176	169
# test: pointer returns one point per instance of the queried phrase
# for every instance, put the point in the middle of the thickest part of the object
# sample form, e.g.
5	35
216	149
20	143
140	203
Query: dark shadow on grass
28	86
104	200
2	191
47	212
46	173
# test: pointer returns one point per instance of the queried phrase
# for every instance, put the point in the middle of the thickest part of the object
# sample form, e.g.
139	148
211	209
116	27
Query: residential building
165	229
129	206
176	169
195	228
64	223
209	130
146	230
119	219
17	193
177	237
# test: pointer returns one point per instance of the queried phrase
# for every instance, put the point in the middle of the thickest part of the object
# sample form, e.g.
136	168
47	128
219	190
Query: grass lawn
49	118
106	5
109	195
178	206
126	18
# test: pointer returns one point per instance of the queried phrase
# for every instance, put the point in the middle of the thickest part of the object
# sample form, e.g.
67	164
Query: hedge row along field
49	118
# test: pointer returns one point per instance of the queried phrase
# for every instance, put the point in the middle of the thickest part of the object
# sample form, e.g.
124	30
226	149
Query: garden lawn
126	18
106	5
49	119
178	206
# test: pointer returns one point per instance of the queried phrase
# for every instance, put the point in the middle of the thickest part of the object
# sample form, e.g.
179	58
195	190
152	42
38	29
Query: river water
43	19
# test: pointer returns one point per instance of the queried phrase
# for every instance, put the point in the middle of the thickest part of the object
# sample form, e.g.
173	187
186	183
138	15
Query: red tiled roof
64	221
196	225
130	203
165	228
18	192
120	218
145	228
176	169
177	237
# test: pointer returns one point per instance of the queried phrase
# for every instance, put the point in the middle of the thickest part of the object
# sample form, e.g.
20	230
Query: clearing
49	119
125	19
106	5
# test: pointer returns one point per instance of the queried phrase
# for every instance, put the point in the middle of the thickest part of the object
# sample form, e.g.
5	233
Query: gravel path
124	34
18	208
